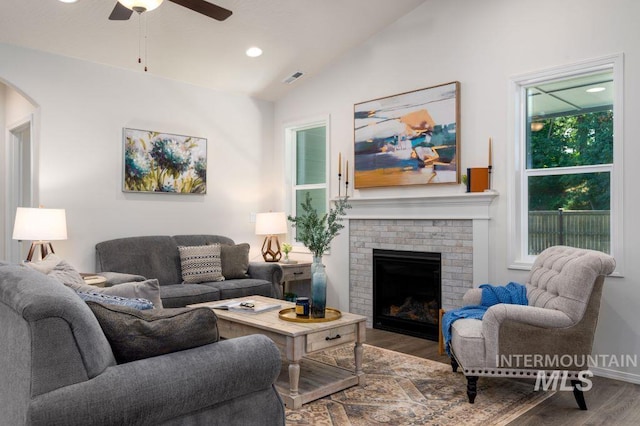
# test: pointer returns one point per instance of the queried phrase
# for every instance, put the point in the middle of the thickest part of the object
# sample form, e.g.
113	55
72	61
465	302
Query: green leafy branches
315	231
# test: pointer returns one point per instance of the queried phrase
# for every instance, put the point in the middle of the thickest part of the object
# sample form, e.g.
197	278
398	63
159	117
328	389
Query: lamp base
45	249
271	249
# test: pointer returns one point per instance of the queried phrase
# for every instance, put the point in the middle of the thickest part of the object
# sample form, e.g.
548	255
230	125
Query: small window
568	131
306	146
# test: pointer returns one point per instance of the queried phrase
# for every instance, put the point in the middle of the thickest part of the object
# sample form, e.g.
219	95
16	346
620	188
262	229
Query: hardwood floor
610	402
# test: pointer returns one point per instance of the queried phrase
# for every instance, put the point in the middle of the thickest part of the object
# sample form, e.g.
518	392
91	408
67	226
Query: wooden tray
289	314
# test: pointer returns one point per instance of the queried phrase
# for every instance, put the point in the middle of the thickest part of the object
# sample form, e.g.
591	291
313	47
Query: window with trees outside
307	168
568	122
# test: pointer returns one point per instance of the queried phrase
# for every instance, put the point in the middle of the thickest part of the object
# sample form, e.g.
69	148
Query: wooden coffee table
302	379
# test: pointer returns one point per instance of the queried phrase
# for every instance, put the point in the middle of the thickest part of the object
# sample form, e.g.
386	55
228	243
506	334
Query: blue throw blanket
513	293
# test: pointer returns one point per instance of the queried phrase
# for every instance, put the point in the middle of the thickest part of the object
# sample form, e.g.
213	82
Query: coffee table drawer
329	338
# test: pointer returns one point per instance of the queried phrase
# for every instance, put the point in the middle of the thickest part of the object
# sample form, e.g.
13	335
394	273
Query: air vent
293	77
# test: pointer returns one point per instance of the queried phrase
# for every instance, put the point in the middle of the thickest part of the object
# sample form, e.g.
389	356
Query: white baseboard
616	375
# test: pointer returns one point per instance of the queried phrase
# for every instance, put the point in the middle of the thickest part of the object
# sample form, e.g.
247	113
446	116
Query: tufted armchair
550	339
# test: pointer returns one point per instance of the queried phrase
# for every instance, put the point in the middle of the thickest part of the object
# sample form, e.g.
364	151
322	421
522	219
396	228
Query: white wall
82	110
3	153
483	44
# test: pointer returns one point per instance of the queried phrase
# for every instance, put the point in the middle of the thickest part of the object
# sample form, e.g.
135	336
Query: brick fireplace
455	226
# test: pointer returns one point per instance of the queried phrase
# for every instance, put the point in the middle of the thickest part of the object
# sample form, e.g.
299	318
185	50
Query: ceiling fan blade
120	13
205	8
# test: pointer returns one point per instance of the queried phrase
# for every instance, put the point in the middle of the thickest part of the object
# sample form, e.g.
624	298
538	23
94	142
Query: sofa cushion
135	334
149	256
66	274
230	289
180	295
200	263
140	304
235	261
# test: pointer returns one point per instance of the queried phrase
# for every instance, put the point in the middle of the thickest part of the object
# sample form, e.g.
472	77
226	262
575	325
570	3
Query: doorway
19	181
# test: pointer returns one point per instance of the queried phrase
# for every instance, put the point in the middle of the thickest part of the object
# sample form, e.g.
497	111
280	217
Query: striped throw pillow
201	263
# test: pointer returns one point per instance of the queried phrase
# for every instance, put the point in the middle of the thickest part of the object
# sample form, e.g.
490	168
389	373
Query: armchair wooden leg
472	382
454	365
577	393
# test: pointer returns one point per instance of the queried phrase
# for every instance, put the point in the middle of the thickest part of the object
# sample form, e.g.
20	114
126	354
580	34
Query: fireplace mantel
419	213
473	205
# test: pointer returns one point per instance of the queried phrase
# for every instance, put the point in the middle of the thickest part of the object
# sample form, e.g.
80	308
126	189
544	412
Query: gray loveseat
58	368
158	257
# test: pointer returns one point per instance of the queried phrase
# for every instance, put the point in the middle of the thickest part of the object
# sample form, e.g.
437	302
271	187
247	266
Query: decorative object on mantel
271	225
411	138
490	162
316	233
157	162
346	176
479	178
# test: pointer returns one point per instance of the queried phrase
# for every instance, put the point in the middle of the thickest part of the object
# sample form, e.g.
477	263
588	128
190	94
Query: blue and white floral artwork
164	163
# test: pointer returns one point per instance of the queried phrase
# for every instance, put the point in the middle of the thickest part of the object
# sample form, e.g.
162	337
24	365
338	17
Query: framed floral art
157	162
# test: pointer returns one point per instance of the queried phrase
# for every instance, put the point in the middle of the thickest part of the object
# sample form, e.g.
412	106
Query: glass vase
318	288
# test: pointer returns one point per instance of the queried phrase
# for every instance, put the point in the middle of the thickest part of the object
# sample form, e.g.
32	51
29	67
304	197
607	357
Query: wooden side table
293	272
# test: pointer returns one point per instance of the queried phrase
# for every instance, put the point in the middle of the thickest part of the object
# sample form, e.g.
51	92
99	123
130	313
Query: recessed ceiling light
254	52
596	90
68	1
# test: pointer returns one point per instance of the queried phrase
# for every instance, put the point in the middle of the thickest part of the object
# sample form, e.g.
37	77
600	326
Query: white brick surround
455	226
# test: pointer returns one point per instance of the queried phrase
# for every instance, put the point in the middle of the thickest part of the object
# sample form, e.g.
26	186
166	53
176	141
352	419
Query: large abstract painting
408	139
164	163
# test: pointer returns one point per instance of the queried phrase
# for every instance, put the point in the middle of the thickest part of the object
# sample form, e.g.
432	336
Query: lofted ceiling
295	35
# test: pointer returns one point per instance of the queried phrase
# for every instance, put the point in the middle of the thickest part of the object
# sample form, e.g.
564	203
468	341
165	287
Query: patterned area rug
406	390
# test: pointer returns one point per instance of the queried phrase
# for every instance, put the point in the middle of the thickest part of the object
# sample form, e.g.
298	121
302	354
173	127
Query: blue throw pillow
140	304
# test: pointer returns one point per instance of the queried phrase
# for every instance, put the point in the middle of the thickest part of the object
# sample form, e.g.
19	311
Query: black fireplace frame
400	325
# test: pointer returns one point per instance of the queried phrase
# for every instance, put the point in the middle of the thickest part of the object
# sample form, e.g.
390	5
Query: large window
307	155
566	160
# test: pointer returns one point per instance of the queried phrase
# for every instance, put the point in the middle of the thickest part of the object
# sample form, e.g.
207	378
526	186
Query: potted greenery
316	233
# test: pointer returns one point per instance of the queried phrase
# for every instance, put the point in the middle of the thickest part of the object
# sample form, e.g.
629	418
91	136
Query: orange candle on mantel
490	159
339	163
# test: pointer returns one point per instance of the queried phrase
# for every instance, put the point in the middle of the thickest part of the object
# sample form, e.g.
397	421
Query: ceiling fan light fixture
141	5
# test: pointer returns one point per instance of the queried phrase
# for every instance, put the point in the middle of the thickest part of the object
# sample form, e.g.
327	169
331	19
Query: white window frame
517	240
290	130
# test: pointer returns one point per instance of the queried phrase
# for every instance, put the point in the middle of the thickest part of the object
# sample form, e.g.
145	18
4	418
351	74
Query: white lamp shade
146	4
40	224
272	223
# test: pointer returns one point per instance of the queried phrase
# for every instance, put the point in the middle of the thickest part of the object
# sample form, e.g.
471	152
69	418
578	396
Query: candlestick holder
339	184
490	168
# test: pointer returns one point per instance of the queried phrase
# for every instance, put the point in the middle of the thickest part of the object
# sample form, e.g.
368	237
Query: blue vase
318	288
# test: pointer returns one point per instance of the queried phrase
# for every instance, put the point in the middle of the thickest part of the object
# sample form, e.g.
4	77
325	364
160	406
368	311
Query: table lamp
271	224
41	226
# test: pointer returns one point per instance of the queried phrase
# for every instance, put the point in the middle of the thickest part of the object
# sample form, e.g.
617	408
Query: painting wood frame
156	162
412	138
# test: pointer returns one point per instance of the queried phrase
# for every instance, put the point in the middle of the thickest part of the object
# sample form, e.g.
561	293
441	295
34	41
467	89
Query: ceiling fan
125	8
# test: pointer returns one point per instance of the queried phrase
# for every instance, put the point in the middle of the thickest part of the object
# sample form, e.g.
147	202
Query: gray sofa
158	257
58	368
